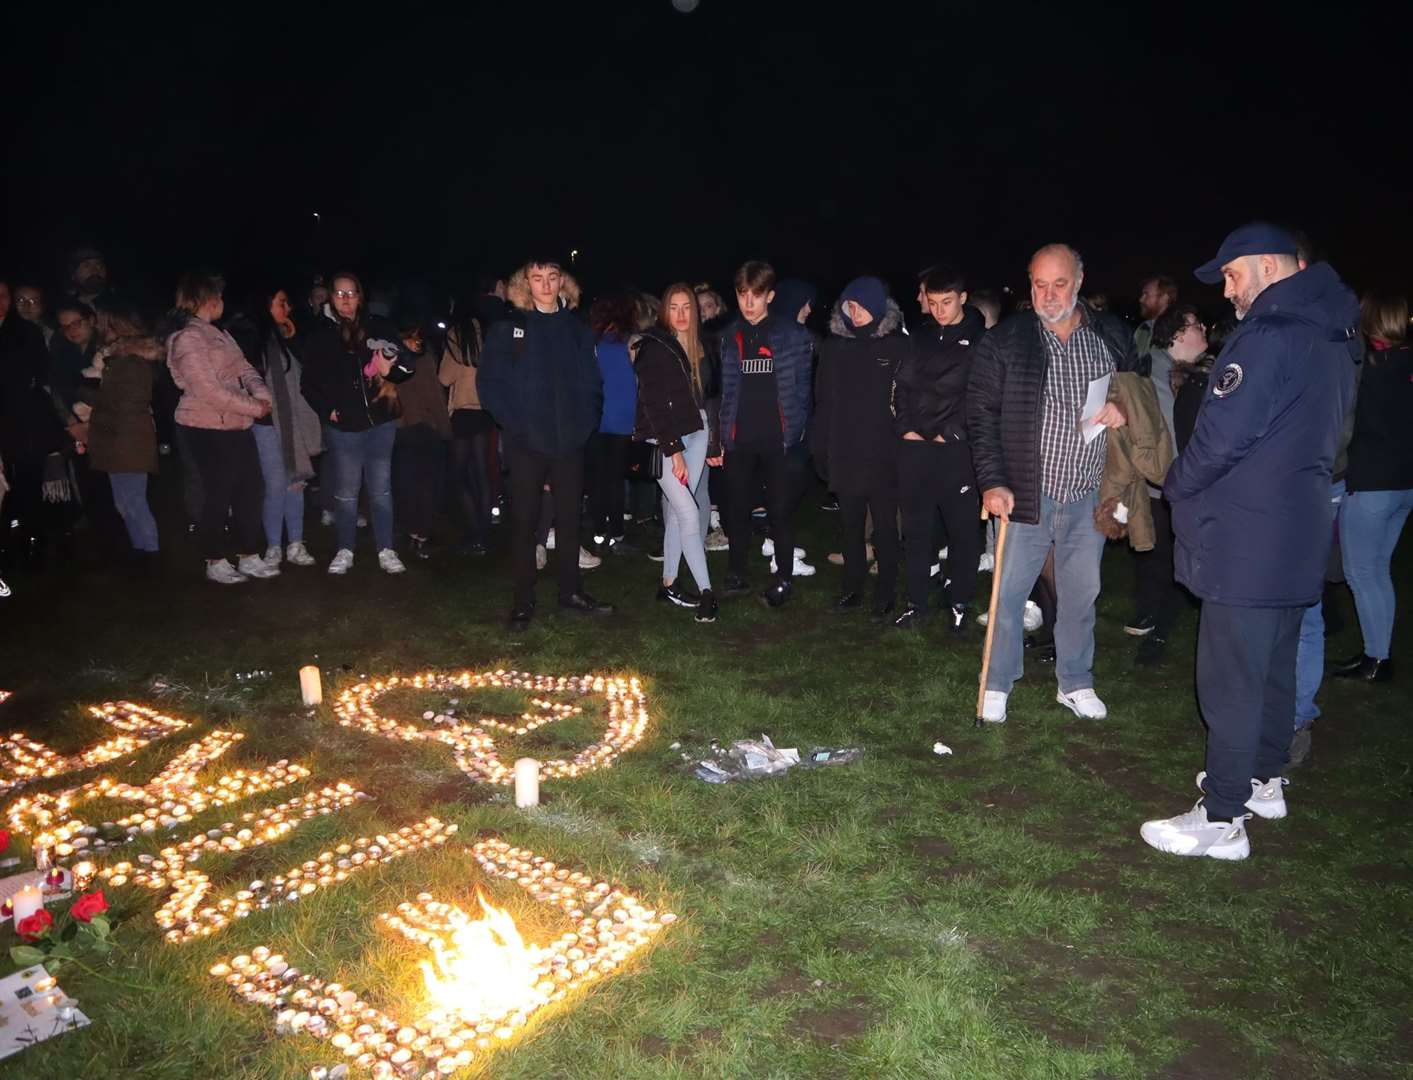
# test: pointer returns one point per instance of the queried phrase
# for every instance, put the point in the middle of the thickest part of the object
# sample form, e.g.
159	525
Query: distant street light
686	7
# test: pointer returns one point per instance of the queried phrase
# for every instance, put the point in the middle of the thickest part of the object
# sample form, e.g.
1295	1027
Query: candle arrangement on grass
24	760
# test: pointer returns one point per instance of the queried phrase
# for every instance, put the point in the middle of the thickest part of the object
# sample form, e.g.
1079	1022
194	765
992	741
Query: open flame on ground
481	969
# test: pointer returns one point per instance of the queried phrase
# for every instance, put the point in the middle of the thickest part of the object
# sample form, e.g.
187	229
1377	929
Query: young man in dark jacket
1247	493
765	412
854	445
934	457
538	377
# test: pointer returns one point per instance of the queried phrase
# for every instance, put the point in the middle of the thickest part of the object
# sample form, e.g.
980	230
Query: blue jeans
1079	547
363	457
130	497
1310	655
282	507
682	510
1369	526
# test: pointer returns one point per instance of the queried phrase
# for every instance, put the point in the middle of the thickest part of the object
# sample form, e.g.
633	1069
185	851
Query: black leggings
853	509
419	478
229	469
606	465
472	431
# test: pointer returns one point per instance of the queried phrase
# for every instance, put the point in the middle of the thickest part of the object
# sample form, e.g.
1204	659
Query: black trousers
1246	690
938	478
472	431
853	512
529	472
1155	591
783	471
419	478
228	466
606	465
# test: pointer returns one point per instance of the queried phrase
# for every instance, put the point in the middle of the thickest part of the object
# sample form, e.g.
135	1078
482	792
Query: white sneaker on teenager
343	559
767	549
255	566
1192	834
273	555
588	560
223	573
296	554
1032	619
993	706
1083	703
802	568
549	540
389	563
541	557
1267	800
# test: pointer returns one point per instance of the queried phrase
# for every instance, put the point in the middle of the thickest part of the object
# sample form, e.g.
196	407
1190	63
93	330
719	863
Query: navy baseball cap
1256	238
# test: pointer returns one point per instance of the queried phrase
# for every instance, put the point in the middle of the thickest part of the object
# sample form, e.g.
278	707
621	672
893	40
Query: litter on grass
751	759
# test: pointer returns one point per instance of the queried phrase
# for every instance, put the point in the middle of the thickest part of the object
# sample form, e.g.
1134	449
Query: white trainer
588	560
993	707
1084	703
255	566
767	549
389	563
541	557
223	573
986	563
1267	800
342	560
273	555
1192	834
1032	619
716	540
549	540
326	518
802	568
296	554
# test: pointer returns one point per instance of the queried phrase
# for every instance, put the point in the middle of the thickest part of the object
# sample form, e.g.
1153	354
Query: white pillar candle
527	782
26	902
309	686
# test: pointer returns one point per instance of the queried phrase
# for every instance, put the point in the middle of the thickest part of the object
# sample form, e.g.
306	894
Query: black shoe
1042	650
676	596
912	619
830	503
881	611
1364	667
735	586
520	617
1141	626
619	546
421	547
707	607
584	604
1151	650
958	614
777	595
848	602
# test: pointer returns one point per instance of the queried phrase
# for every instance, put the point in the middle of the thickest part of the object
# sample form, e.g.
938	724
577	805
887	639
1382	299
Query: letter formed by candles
527	783
310	688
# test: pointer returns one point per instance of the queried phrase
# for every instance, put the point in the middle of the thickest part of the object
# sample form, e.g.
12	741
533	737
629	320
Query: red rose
4	840
89	905
32	926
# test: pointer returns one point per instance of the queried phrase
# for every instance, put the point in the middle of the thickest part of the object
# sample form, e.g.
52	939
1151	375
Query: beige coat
1139	454
458	376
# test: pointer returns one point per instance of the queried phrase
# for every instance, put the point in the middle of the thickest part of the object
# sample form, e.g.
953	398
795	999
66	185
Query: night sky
830	140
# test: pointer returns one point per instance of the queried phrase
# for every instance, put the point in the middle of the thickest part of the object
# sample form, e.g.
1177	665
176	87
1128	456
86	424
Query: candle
527	782
26	902
309	687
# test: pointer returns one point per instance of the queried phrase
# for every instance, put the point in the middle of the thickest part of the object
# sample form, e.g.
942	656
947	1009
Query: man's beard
1063	315
1242	303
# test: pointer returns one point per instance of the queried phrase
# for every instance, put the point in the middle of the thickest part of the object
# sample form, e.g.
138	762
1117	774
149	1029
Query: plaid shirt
1069	468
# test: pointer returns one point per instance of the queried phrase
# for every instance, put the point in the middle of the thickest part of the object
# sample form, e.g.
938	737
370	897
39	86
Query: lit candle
527	782
26	902
309	686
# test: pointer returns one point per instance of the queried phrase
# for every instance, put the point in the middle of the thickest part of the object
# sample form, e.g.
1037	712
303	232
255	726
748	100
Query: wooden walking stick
991	619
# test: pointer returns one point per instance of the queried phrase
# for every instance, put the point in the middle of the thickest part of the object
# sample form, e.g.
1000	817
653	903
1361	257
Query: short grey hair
1060	249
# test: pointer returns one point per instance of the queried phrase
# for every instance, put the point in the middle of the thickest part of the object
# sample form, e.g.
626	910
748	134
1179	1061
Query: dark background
832	140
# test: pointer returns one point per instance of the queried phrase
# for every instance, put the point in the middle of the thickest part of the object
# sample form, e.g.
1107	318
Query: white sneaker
1267	800
767	549
942	555
802	568
549	541
342	560
716	540
223	573
1192	834
298	555
273	555
1084	703
1033	619
588	560
541	557
326	518
993	707
255	566
713	523
986	564
389	562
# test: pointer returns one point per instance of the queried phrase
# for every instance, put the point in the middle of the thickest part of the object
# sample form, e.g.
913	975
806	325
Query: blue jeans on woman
1369	525
363	457
130	497
685	532
1310	656
283	509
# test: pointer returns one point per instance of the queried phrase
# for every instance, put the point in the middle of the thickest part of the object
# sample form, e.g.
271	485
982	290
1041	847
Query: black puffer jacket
855	448
930	391
669	406
1004	402
333	378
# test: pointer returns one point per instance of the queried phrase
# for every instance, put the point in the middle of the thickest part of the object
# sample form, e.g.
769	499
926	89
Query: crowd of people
952	439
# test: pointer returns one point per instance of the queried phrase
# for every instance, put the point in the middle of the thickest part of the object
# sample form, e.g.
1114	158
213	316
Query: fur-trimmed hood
517	291
891	322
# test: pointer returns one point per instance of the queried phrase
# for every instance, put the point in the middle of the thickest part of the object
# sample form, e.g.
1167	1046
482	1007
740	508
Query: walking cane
991	620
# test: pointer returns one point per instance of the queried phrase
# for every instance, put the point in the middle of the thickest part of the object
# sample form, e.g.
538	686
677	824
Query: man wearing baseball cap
1247	493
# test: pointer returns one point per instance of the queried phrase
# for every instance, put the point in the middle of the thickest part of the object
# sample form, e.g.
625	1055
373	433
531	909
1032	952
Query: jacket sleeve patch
1229	381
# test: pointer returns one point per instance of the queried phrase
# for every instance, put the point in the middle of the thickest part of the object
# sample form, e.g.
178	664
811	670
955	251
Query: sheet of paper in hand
1094	400
32	1009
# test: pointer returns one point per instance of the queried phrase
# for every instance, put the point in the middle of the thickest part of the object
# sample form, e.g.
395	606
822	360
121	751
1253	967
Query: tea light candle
527	782
310	688
26	902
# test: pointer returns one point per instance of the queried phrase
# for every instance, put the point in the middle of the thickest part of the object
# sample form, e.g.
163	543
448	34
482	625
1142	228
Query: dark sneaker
520	617
1141	626
958	615
830	503
777	595
735	586
1042	651
1300	747
674	595
846	603
1151	650
584	604
620	546
912	619
707	607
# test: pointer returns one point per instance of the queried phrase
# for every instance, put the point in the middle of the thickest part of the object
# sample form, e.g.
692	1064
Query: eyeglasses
29	301
346	294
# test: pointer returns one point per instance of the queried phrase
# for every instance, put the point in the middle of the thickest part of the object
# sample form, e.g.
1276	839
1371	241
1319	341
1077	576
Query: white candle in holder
527	782
26	902
309	686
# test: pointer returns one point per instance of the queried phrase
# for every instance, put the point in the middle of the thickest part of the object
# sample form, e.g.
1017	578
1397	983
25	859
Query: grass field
990	914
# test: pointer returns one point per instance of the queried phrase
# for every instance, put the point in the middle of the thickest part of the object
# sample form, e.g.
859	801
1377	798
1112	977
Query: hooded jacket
793	349
669	406
1251	485
333	380
930	392
855	448
121	435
